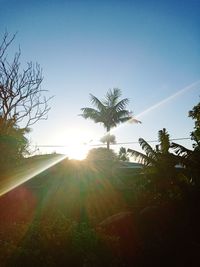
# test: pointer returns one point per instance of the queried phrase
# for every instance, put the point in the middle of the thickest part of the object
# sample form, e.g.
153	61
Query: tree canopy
22	103
195	115
21	95
110	112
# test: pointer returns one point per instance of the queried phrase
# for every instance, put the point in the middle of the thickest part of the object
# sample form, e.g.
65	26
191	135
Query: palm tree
153	157
190	159
123	154
110	137
110	111
159	163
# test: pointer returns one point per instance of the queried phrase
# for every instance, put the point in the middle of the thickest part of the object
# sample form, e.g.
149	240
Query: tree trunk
108	144
108	140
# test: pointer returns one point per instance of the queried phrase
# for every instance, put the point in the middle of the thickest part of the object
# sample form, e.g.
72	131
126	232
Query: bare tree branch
21	96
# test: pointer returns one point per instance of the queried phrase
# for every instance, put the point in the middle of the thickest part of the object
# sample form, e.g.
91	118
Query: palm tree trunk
108	141
108	144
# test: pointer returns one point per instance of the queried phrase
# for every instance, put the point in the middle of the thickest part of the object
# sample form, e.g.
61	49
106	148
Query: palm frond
96	102
112	97
91	113
163	138
122	113
180	150
118	117
124	119
140	157
121	104
147	148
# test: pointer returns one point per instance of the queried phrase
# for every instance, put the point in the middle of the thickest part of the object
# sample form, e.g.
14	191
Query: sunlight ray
135	118
26	172
171	97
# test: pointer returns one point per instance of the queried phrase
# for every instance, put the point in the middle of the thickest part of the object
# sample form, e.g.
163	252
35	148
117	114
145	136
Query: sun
76	143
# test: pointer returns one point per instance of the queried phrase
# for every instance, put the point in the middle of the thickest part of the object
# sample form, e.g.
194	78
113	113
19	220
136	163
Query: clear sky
149	49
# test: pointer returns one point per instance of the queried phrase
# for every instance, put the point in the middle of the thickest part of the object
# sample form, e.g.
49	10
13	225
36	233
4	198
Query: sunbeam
159	104
171	97
25	173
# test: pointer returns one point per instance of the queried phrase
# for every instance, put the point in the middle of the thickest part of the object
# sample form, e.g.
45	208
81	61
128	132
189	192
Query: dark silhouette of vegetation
110	111
123	154
195	115
190	160
108	138
21	96
101	154
74	214
165	171
160	157
13	144
22	104
100	211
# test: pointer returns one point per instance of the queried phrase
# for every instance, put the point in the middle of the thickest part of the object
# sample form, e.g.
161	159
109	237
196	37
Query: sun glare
76	143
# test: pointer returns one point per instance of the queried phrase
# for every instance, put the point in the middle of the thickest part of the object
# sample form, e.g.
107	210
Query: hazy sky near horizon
148	49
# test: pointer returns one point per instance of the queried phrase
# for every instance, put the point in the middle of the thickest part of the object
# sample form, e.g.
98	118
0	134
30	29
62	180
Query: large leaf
121	104
112	97
91	113
122	114
96	102
181	150
150	152
140	157
124	119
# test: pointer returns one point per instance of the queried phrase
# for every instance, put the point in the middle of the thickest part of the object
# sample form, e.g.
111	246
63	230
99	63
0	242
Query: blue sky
149	49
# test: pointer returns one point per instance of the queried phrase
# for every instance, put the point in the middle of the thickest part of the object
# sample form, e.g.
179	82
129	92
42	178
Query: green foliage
160	157
13	144
190	160
123	154
101	153
163	170
195	115
57	235
87	247
55	243
108	138
22	103
163	137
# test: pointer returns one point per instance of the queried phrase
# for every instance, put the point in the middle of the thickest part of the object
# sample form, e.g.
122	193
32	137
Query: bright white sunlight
76	143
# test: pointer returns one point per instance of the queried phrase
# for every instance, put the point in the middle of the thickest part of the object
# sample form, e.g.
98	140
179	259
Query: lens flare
171	97
27	172
134	119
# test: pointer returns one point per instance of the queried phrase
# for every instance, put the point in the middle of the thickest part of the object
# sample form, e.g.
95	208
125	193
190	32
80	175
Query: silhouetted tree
154	157
22	103
101	153
195	115
190	160
13	144
21	96
161	166
110	111
163	138
123	154
108	138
